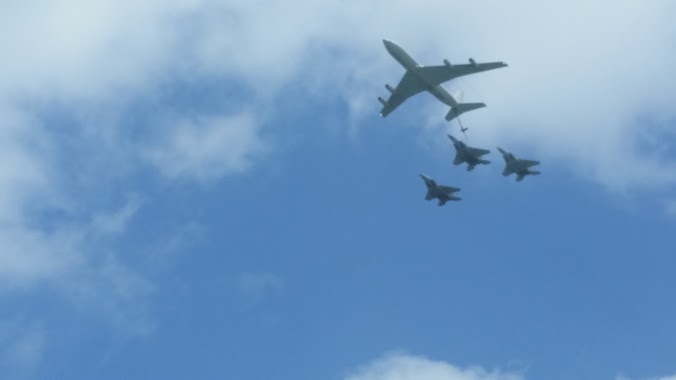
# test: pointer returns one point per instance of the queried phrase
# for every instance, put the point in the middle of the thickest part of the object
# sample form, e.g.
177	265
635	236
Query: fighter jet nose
424	177
389	45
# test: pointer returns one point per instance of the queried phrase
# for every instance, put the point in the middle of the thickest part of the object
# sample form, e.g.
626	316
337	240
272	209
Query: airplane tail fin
462	108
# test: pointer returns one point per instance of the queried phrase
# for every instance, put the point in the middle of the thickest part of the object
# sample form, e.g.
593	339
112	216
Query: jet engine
389	88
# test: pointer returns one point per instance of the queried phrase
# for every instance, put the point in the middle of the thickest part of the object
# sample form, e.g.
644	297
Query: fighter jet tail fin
462	108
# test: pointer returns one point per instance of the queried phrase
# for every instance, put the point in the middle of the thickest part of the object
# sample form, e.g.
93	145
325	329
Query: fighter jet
429	78
519	166
464	153
443	193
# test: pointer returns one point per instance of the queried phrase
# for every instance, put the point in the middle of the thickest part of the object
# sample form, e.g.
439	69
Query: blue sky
204	189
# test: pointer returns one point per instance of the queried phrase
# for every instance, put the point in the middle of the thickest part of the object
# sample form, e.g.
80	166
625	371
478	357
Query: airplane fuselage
410	64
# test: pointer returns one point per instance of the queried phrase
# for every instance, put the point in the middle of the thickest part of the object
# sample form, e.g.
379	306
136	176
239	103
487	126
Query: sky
204	189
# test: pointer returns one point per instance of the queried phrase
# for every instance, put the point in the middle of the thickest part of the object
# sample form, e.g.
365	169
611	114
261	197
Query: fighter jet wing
529	163
479	152
449	189
459	159
437	75
408	86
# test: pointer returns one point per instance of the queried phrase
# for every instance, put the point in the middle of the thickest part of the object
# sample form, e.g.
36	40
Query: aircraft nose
389	45
424	177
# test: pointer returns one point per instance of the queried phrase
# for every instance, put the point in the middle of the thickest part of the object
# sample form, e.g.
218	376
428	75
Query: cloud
573	92
593	93
80	80
115	223
407	367
207	148
48	245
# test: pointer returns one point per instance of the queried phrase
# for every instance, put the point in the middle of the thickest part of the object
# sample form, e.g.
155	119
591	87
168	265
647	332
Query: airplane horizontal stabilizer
462	108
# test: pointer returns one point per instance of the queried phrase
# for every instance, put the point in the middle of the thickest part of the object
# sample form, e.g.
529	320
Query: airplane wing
408	86
459	158
440	74
530	163
449	189
479	152
429	196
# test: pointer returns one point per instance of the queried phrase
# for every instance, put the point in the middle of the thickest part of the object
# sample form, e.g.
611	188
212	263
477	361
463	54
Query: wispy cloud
572	92
408	367
116	222
207	148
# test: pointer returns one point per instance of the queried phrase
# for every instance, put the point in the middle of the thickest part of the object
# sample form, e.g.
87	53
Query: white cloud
406	367
577	87
207	148
72	256
116	222
30	257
